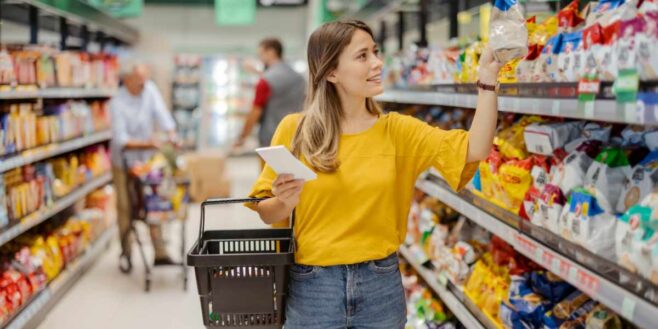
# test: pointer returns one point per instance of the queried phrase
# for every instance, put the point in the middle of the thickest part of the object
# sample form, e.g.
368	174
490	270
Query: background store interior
496	255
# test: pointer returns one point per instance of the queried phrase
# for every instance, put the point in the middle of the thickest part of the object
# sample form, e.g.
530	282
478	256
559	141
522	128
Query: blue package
504	5
530	307
550	286
571	308
606	5
510	316
477	183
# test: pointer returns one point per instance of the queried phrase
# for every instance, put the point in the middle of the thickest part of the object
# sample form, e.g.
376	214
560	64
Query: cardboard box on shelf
206	172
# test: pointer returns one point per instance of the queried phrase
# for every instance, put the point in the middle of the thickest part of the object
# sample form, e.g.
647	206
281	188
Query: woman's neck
354	108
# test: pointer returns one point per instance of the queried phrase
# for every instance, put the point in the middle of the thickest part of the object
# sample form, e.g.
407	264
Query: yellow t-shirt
359	213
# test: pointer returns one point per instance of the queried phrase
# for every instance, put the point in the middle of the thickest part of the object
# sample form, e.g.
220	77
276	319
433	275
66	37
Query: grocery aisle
104	298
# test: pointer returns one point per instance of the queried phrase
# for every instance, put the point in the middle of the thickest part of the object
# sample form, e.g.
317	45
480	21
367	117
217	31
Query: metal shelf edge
35	219
54	291
60	148
449	299
53	93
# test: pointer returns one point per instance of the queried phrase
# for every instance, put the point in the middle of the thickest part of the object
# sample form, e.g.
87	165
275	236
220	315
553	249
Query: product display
32	187
26	125
30	262
31	67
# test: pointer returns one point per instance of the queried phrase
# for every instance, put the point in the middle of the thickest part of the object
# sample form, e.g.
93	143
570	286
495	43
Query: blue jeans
359	296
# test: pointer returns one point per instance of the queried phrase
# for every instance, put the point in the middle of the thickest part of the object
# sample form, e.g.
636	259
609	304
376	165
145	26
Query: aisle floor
105	298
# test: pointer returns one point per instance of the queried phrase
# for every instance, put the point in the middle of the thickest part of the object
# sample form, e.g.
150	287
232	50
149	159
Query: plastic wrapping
509	35
606	177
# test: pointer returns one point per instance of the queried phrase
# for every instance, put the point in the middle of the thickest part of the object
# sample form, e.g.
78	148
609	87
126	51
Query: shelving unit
53	150
36	309
57	93
510	228
555	99
443	289
10	232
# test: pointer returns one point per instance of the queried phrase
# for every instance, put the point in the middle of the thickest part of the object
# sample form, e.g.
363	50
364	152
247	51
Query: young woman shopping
353	217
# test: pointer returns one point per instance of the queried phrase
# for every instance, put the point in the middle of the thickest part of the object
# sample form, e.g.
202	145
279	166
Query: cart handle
210	202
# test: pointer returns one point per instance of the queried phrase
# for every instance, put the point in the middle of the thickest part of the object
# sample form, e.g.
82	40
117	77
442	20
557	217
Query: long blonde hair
318	132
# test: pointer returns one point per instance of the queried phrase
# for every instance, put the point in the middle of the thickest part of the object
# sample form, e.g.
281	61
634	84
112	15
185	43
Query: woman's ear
332	77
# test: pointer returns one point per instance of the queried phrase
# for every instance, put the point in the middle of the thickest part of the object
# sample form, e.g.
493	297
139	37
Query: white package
509	34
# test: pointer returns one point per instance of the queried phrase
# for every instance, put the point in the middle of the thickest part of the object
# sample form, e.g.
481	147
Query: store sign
120	8
282	3
235	12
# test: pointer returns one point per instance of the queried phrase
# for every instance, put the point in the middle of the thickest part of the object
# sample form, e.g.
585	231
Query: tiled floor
105	298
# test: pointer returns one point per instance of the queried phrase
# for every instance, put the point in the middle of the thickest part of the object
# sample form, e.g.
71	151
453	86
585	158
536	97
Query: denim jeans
359	296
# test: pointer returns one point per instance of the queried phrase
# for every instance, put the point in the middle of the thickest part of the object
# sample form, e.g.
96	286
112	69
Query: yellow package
471	62
507	73
515	180
55	253
544	31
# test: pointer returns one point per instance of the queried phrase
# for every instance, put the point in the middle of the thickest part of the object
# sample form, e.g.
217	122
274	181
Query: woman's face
359	71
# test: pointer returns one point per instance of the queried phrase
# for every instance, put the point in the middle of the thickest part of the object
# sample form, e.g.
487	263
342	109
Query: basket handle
210	202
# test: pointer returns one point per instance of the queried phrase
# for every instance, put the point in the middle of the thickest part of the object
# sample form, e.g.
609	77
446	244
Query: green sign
235	12
120	8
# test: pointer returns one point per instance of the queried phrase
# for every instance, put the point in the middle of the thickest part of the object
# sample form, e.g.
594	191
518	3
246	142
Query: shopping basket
242	275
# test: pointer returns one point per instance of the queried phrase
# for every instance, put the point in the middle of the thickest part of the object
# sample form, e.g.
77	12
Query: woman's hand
287	189
489	67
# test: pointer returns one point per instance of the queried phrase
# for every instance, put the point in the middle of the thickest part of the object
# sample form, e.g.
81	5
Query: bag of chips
647	47
571	172
569	57
569	17
606	177
515	179
549	208
573	307
602	318
529	305
639	183
628	236
509	35
592	54
550	286
589	225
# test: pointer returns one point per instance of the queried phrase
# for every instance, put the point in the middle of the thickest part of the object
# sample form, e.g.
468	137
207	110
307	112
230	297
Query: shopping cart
152	203
242	275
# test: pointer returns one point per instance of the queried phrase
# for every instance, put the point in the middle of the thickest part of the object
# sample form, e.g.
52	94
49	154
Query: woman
353	217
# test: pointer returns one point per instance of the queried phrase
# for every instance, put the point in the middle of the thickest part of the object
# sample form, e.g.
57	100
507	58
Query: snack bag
608	11
606	177
570	173
539	175
569	17
549	208
639	183
547	68
629	234
510	141
550	286
515	180
589	225
569	57
592	56
609	63
627	51
546	138
602	318
573	307
529	305
7	73
647	47
509	35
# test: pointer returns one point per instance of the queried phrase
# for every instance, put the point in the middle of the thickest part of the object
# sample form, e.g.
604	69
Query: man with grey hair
135	110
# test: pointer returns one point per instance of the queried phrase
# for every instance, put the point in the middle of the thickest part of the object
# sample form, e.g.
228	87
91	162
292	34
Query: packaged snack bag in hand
509	35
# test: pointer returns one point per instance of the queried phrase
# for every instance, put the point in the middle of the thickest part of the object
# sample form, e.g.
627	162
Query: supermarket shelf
38	307
449	299
632	307
36	218
602	110
58	93
48	151
77	13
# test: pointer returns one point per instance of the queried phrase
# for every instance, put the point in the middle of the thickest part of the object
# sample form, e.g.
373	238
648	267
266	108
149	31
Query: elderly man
136	110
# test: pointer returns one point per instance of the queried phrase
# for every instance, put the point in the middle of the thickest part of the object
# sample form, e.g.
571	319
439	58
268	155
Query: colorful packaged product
639	183
550	286
508	34
606	177
544	139
586	223
647	47
574	307
571	172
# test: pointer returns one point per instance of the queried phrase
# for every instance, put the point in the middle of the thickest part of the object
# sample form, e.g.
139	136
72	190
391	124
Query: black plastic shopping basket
242	275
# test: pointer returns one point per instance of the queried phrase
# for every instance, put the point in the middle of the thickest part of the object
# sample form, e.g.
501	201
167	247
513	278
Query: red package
592	35
569	17
21	283
5	312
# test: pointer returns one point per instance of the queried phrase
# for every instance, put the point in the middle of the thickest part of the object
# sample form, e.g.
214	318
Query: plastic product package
549	208
575	306
603	318
606	177
608	11
569	59
549	285
544	139
609	64
639	183
627	46
515	180
529	306
571	172
547	68
584	222
509	35
629	236
647	47
569	17
593	54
